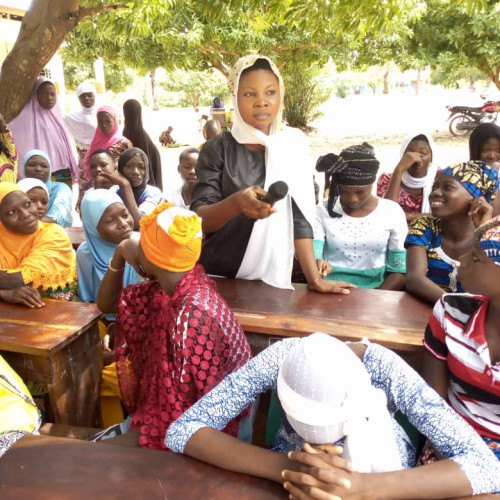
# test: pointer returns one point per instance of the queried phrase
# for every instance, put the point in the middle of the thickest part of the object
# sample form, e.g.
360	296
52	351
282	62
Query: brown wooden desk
76	236
59	346
50	468
394	319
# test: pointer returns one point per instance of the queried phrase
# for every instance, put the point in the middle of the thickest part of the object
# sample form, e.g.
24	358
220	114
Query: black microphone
276	192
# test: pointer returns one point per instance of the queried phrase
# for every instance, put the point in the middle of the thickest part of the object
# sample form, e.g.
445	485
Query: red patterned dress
408	202
170	351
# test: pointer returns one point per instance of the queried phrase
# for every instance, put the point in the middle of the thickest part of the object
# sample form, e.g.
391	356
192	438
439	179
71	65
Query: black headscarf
123	160
134	131
479	136
355	166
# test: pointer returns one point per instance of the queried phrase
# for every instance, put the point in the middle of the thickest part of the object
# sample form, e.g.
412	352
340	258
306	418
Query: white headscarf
269	254
30	183
326	394
82	124
424	183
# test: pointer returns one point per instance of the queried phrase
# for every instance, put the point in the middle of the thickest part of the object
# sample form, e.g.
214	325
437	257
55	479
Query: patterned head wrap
355	166
488	237
325	401
476	176
171	237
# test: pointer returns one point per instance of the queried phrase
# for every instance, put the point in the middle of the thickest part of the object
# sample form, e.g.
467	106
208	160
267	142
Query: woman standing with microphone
245	236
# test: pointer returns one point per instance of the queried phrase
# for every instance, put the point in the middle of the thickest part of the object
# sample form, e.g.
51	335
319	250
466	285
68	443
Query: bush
305	92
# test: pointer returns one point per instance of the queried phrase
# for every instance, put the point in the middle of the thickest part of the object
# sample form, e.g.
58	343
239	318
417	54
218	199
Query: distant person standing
82	125
40	125
217	103
133	130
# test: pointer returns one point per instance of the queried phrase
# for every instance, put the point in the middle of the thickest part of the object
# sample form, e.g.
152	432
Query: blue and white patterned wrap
406	391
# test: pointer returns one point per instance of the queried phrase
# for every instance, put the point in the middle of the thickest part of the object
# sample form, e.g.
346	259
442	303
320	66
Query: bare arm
112	283
127	195
417	282
305	254
393	281
11	280
244	201
224	451
404	164
435	373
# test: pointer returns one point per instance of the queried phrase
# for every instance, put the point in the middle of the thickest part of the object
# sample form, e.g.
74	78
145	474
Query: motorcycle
464	119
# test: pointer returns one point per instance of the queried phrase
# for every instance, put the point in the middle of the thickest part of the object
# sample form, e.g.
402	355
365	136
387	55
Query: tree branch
86	12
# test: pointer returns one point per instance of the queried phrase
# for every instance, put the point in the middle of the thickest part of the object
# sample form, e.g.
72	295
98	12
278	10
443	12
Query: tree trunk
417	84
43	29
152	76
386	82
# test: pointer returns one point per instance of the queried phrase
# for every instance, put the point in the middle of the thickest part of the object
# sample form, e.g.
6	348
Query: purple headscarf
39	128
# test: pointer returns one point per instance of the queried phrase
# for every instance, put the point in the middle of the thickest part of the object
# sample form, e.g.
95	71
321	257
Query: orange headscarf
45	258
171	237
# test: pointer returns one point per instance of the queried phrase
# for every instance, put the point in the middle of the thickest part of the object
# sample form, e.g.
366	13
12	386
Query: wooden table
76	236
50	468
394	319
59	346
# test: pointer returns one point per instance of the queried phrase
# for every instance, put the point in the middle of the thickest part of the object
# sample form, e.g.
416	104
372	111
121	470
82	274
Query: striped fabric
425	232
455	334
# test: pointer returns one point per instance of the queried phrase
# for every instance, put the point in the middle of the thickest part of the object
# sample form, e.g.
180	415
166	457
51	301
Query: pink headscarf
101	140
39	128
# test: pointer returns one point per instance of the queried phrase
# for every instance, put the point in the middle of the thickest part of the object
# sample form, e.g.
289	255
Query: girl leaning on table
36	259
339	438
245	236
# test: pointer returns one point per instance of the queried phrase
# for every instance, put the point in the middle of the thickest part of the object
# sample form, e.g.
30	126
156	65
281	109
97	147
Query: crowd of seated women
179	359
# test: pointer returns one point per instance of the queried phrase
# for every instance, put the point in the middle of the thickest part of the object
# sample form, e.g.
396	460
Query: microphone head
278	190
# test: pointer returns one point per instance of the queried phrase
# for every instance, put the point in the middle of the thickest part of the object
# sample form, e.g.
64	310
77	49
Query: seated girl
334	393
484	144
434	243
101	160
37	165
411	181
361	237
176	338
38	193
247	237
106	222
106	137
462	339
36	258
132	186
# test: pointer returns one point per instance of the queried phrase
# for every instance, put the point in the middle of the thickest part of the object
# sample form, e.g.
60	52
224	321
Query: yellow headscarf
45	258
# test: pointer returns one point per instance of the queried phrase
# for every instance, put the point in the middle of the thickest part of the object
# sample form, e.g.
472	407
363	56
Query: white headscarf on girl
326	394
424	183
269	254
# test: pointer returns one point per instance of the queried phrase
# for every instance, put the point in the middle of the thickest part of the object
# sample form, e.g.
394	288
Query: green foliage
194	88
453	37
117	80
306	90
